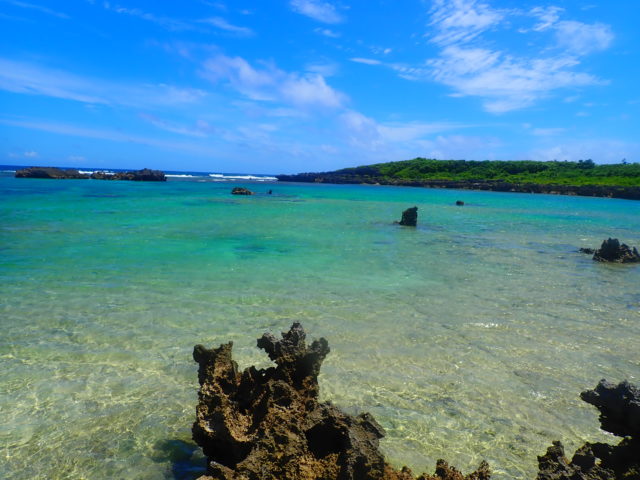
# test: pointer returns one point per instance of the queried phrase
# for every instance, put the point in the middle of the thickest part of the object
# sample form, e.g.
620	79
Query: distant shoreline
605	191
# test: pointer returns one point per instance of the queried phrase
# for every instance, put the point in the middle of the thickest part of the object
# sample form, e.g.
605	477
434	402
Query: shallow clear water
467	338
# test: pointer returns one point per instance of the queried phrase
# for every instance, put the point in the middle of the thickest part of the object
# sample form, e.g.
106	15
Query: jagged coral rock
612	250
269	425
619	407
410	217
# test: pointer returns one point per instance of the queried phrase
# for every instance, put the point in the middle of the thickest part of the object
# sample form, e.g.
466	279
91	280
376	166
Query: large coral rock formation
612	250
410	217
619	407
269	425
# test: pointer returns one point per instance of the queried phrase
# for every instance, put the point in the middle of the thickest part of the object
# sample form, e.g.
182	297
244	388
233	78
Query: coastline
606	191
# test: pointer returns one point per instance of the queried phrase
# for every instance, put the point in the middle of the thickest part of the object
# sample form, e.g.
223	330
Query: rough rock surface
49	172
241	191
619	407
144	175
410	217
612	250
269	425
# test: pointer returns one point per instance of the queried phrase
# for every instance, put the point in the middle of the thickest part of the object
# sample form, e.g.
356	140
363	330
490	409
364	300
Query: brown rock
241	191
269	425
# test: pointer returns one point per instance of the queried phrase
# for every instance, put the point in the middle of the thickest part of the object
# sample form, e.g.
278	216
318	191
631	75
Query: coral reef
619	407
269	425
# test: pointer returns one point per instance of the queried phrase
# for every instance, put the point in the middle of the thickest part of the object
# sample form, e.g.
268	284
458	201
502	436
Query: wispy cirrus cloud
503	78
223	24
456	21
319	10
33	79
39	8
269	83
168	23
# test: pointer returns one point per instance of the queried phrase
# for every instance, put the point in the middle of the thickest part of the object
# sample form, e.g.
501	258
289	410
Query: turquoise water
467	338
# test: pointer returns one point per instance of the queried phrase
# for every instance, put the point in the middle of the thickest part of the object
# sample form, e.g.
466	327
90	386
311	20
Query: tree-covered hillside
583	172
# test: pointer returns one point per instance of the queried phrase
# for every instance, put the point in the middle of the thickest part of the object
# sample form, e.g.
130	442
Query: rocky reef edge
268	424
144	175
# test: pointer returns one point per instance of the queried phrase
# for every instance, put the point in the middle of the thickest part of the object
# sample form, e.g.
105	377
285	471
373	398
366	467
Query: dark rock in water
50	172
589	251
144	175
459	203
619	407
269	425
241	191
612	250
410	217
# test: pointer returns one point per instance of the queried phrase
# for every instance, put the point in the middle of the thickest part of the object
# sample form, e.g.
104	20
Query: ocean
469	337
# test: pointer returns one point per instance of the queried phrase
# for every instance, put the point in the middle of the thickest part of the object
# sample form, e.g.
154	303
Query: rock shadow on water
186	458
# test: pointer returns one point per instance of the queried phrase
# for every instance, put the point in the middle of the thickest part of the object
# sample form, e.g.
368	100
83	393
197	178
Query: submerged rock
619	407
50	172
612	250
241	191
269	425
410	217
459	203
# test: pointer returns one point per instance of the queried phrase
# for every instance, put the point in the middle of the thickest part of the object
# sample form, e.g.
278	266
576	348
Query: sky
287	86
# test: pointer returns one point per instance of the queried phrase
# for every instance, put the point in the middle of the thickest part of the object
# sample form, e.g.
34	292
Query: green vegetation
583	172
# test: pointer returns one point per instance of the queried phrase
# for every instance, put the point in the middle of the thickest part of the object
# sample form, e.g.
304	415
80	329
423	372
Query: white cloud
165	22
327	32
547	17
272	84
321	11
581	38
601	150
456	21
504	80
104	134
31	79
548	132
222	24
31	154
366	61
38	8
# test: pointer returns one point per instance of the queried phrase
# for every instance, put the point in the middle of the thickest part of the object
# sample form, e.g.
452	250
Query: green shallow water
467	338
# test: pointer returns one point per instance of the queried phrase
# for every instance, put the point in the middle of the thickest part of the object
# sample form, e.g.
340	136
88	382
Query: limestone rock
269	425
410	217
241	191
144	175
49	172
619	407
612	250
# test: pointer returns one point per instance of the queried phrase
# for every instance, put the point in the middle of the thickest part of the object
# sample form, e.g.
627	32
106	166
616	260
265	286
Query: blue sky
280	86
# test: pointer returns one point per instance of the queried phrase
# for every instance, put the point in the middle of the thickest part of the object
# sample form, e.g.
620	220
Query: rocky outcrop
241	191
612	250
619	407
269	425
144	175
50	172
410	217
